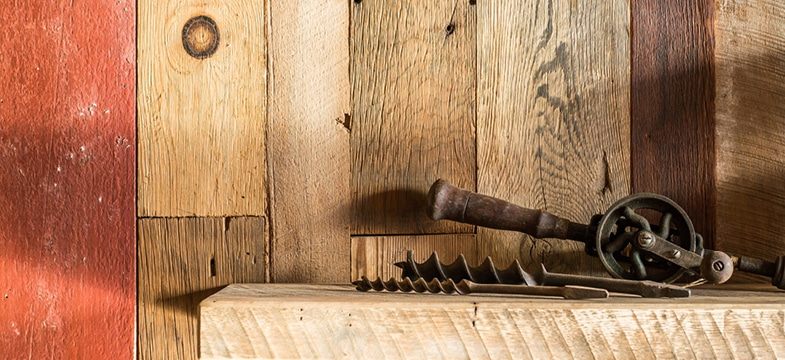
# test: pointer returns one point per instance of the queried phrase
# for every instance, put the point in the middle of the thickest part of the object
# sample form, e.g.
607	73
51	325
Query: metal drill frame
660	252
616	234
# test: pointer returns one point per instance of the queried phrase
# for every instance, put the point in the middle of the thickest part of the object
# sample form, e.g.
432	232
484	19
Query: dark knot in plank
201	37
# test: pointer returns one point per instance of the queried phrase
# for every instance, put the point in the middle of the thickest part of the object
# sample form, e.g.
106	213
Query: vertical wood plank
67	185
308	141
553	118
750	127
672	89
181	262
413	110
375	256
201	121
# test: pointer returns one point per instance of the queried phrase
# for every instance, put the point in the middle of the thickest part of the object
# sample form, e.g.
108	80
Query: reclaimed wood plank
412	110
201	121
672	87
750	132
553	118
67	180
375	256
308	141
267	321
182	261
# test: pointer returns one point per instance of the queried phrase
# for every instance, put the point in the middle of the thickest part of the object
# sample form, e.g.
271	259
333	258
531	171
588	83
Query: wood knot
201	37
449	29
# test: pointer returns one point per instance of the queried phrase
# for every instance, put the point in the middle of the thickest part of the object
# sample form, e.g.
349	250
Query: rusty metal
641	237
459	270
774	269
644	288
466	287
624	239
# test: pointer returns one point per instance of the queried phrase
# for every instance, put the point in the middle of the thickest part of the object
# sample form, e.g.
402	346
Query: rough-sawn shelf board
336	321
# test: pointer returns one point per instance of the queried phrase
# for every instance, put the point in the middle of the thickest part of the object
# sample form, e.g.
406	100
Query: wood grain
750	128
553	118
265	321
308	142
375	256
413	110
67	183
672	89
201	121
181	262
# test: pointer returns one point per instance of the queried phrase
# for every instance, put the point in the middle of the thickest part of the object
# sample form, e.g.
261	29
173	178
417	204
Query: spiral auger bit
641	237
466	287
515	276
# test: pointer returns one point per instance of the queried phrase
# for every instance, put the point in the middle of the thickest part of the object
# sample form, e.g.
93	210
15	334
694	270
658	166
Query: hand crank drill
629	245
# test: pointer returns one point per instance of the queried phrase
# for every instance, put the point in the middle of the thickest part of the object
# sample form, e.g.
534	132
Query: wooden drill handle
446	201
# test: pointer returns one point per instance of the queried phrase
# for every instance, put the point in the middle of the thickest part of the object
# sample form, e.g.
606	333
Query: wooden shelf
336	321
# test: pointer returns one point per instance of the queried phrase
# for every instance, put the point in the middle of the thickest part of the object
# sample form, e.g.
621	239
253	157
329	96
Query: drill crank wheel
617	234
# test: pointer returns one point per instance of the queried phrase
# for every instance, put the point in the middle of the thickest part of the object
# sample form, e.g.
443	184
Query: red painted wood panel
67	183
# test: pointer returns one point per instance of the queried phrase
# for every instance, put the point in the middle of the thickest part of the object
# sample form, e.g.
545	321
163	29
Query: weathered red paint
67	183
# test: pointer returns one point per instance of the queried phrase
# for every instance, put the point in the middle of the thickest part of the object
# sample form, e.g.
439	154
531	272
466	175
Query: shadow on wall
750	145
747	215
397	211
67	221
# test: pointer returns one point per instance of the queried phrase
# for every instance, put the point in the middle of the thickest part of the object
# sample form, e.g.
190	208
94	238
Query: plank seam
411	235
270	229
476	104
201	217
349	113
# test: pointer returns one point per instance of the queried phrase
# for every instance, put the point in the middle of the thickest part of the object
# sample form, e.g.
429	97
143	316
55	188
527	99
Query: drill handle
446	201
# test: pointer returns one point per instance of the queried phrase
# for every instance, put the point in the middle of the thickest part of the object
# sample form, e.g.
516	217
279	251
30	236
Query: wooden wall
302	149
243	157
672	85
201	168
553	118
750	131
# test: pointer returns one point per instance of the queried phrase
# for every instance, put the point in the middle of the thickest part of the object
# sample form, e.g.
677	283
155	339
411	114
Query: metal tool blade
644	288
466	287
